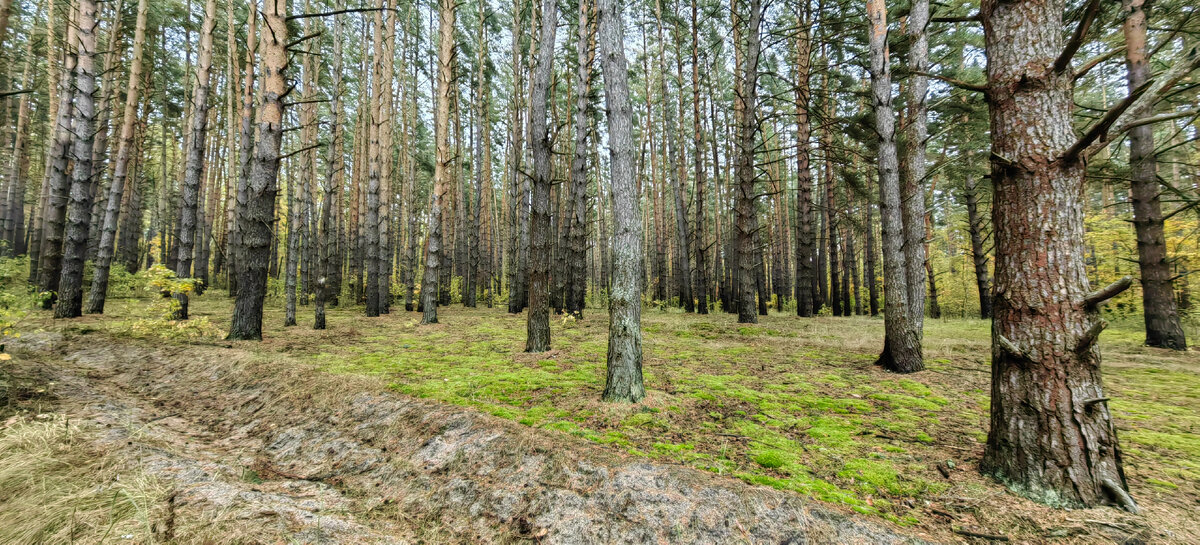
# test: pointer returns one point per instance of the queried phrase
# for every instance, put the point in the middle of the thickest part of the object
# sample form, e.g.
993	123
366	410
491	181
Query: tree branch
1085	23
1097	297
1160	118
332	13
1012	348
302	39
1159	86
1095	61
299	151
972	18
1099	131
957	83
1090	336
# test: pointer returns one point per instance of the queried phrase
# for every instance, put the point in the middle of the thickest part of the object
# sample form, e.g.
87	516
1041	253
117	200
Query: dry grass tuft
57	487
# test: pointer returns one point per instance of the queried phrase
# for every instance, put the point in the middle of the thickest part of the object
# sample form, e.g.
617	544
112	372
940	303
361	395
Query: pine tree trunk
805	245
1052	437
100	147
912	192
14	236
517	202
674	173
1159	310
386	138
869	276
979	258
623	381
291	268
257	212
746	209
701	235
429	285
246	150
57	182
327	226
902	343
935	309
197	146
576	227
79	208
374	167
104	253
538	324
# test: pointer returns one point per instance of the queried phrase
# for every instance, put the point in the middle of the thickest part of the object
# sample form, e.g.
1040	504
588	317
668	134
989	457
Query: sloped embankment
447	471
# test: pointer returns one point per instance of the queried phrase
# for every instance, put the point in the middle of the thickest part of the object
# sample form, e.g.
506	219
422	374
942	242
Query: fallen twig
969	533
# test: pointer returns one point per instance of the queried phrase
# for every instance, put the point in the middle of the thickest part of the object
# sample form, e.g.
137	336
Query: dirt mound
346	458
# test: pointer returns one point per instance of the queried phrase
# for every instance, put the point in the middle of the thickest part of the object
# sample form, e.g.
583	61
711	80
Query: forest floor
789	404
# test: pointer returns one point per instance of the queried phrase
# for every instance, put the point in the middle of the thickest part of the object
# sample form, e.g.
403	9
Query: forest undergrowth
792	404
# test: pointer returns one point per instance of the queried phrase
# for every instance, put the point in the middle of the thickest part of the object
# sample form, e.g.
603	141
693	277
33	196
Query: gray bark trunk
623	381
902	343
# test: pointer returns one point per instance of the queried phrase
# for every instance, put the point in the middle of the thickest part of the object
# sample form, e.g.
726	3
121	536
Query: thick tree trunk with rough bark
538	323
902	343
623	381
125	149
79	207
257	211
1160	314
1052	438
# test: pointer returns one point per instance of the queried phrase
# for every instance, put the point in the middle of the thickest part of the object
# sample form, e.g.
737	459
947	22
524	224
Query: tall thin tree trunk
14	226
538	324
1159	311
623	381
576	227
746	206
912	192
979	258
374	165
386	137
702	279
327	259
441	174
55	204
197	146
125	148
79	208
869	275
805	245
257	212
516	150
245	154
902	343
